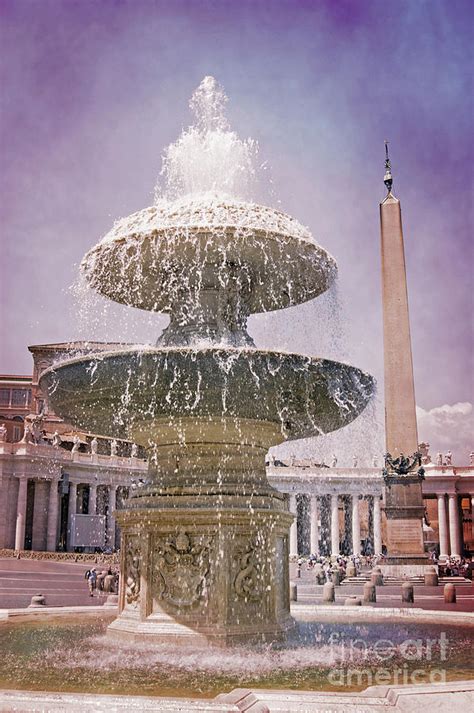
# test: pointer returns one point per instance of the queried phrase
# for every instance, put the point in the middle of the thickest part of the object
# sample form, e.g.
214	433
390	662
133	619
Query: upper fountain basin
154	258
124	393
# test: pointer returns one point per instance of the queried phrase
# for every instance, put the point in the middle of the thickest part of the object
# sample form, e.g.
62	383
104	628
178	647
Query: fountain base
206	574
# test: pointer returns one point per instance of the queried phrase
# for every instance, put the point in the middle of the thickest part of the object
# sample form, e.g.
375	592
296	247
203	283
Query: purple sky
93	91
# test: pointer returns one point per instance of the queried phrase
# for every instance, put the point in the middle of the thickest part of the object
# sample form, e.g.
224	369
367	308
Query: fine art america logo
357	662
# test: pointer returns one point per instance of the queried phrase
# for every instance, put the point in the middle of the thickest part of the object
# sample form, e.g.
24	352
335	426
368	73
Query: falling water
206	401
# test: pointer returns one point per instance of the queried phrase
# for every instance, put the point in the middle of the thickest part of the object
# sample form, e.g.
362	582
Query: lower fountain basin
118	393
318	656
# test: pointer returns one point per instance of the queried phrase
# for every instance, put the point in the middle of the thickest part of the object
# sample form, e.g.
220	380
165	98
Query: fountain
205	541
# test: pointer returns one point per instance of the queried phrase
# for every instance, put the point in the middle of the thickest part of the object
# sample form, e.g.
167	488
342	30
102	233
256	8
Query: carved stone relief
249	581
181	569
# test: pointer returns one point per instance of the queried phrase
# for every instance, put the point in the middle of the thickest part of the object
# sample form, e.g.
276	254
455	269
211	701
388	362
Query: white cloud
448	427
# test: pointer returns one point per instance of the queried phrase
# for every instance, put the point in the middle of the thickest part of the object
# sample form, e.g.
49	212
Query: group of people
352	565
344	565
105	581
456	567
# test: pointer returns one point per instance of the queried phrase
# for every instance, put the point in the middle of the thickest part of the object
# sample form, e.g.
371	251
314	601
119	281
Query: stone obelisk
403	472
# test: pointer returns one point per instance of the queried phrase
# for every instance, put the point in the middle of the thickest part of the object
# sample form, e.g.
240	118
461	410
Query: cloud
448	427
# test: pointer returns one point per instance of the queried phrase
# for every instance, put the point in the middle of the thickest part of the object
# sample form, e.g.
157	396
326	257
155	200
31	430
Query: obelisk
403	472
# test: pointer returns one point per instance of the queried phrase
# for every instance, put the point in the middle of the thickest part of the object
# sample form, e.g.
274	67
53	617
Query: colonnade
47	503
325	514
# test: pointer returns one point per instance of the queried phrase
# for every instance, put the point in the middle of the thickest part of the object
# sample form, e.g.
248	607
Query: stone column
294	526
370	521
443	526
334	526
92	499
355	525
472	516
454	525
21	514
314	526
110	517
53	508
40	515
377	526
72	509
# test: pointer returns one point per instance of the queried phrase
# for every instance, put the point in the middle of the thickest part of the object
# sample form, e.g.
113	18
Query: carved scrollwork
132	573
248	583
181	569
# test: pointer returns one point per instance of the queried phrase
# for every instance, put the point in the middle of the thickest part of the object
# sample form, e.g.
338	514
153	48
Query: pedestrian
91	577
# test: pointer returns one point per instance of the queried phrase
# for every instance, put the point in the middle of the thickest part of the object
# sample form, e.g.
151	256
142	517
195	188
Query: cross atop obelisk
387	179
403	497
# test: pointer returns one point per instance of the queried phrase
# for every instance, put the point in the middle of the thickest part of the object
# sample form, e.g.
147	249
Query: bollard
293	592
111	601
431	577
370	594
38	600
328	593
376	577
108	583
407	593
353	602
449	594
336	577
351	570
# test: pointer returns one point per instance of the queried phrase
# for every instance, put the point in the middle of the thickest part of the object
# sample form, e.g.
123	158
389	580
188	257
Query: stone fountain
205	540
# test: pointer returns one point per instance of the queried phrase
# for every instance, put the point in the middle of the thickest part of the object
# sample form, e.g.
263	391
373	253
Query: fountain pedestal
216	575
205	543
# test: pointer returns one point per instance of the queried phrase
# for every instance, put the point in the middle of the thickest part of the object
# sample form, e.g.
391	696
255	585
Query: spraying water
207	528
208	158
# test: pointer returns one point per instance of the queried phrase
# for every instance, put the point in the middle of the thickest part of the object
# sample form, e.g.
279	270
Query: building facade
59	487
341	510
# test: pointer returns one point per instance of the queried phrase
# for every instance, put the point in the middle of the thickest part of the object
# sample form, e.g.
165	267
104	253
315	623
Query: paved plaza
63	584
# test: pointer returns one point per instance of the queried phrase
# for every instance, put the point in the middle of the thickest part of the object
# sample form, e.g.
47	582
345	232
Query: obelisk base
406	555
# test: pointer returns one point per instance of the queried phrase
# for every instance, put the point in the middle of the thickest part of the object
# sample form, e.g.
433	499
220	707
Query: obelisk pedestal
403	474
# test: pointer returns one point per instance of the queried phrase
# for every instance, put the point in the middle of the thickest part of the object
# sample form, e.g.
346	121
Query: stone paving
62	583
375	699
